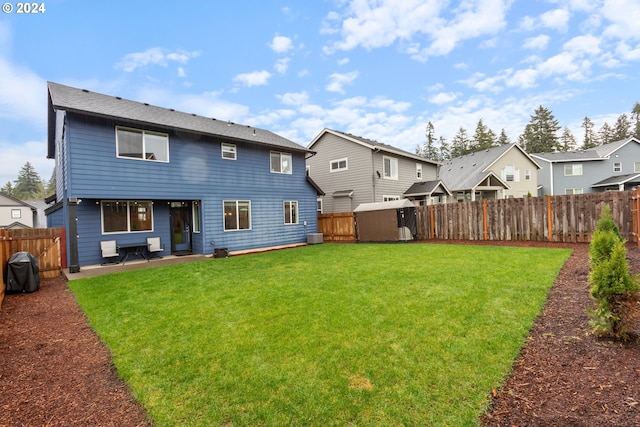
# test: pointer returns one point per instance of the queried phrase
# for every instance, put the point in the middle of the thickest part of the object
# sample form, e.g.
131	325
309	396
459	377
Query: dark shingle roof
598	153
425	188
618	179
86	102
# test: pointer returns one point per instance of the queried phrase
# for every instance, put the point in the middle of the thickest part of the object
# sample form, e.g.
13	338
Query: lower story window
291	212
124	216
237	215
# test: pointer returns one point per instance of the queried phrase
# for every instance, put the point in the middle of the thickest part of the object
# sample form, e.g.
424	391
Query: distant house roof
6	201
85	102
466	172
618	180
426	188
602	152
372	145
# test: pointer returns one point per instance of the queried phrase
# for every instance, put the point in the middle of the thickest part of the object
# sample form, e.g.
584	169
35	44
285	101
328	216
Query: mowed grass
360	334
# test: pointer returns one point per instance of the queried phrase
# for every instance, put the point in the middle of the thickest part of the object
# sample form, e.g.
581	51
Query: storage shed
391	221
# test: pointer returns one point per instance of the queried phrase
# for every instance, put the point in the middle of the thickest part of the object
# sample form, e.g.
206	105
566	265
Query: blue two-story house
126	171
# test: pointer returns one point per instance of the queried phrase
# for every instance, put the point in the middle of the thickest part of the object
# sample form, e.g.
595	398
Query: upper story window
16	213
617	167
390	167
124	216
418	170
636	167
339	165
142	144
228	151
510	173
573	170
527	174
281	162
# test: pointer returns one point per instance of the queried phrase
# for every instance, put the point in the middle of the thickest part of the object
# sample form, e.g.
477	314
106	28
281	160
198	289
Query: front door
180	214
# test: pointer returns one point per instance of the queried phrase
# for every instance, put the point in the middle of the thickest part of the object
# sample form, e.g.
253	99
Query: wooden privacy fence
566	218
337	227
46	244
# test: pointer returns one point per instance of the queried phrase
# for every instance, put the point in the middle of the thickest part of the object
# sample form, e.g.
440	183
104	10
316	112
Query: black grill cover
22	273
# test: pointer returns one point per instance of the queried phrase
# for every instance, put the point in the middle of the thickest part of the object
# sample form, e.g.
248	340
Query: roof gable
371	145
602	152
6	200
85	102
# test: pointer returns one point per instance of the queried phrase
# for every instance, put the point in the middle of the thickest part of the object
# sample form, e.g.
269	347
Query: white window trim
389	198
128	230
527	174
237	217
618	168
573	191
195	220
392	161
319	204
281	154
419	174
143	132
226	148
339	169
284	208
16	213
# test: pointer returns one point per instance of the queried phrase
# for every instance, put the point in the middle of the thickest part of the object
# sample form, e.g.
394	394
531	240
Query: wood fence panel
46	244
337	227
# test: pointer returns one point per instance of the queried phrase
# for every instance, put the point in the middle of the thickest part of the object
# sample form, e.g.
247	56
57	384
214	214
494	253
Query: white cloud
539	42
343	61
14	157
338	80
373	24
282	65
587	44
623	16
281	44
523	79
557	19
294	98
443	98
254	78
154	56
21	94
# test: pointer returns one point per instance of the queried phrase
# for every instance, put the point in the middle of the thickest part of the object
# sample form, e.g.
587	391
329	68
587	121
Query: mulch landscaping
54	371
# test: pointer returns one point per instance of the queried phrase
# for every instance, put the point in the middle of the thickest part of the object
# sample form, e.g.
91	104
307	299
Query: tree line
29	185
543	134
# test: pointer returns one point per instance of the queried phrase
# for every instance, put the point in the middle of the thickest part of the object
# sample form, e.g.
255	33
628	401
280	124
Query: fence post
549	219
484	218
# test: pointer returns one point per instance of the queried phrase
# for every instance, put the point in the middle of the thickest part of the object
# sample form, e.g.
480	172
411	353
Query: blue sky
380	69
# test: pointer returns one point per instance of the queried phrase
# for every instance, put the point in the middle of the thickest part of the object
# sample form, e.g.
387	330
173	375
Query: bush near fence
566	218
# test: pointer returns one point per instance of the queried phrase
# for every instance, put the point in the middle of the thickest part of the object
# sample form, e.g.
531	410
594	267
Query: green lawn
355	334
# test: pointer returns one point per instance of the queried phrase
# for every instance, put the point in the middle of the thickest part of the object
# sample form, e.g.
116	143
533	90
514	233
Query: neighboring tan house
501	172
610	167
352	170
128	171
15	213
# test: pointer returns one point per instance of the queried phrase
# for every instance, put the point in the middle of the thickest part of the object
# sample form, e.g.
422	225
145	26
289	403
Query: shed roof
381	206
426	188
82	101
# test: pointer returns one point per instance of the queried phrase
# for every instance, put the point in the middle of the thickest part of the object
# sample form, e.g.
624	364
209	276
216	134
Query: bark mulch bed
54	371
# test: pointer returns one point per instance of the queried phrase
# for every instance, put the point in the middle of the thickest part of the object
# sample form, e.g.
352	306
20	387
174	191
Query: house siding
196	171
358	177
521	188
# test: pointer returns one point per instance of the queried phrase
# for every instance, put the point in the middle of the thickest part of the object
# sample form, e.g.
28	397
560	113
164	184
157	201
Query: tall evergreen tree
7	189
567	140
460	143
541	133
590	139
621	128
51	185
29	185
445	150
503	139
635	116
605	134
483	137
429	149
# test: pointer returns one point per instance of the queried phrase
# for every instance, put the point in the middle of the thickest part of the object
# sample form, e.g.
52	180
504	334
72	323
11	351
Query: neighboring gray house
15	213
352	170
610	167
501	172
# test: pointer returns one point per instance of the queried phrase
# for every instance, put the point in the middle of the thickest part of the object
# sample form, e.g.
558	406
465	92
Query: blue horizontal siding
196	171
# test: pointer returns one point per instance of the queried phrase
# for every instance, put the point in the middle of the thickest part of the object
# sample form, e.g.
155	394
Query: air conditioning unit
314	238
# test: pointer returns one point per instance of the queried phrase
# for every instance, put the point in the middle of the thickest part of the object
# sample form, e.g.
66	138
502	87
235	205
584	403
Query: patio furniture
154	247
110	252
